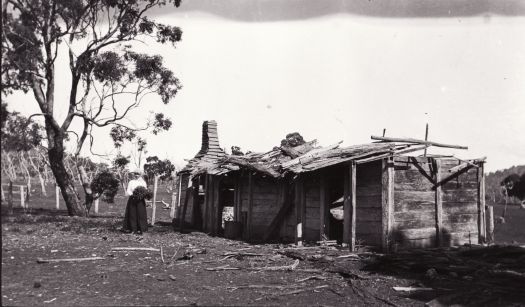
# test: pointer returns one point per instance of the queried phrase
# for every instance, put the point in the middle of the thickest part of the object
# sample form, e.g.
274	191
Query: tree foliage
18	132
105	184
109	80
156	167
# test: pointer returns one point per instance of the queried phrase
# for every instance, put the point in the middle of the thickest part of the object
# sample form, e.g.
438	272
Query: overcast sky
343	70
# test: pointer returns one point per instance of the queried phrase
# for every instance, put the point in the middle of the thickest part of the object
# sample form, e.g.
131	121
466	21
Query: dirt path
203	270
141	278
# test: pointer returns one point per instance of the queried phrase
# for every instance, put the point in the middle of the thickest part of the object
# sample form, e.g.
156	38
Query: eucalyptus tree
109	79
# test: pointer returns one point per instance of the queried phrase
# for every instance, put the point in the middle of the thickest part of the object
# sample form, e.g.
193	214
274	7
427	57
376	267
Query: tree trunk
87	187
63	179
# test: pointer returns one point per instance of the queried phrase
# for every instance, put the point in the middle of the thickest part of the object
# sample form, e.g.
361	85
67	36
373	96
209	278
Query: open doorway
335	201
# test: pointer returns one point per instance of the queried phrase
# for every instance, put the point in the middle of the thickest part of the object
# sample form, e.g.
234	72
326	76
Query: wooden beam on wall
195	198
438	204
299	204
205	206
387	202
349	206
482	235
217	212
324	209
250	206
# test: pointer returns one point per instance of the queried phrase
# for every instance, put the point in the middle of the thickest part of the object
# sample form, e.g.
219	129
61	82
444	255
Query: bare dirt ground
196	269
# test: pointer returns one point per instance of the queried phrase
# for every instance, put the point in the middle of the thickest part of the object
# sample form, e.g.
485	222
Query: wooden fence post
96	204
154	204
22	198
490	230
57	196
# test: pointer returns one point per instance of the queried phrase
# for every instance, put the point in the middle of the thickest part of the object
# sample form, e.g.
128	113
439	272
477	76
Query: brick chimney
210	141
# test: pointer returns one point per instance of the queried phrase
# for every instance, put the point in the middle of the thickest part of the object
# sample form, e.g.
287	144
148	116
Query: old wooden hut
371	194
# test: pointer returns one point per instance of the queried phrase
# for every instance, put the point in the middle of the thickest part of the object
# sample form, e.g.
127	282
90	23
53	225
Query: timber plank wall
427	214
265	204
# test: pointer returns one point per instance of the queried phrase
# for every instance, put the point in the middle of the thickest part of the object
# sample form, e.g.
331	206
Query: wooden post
387	202
22	198
154	204
439	204
207	189
349	207
426	139
299	203
490	228
217	212
57	196
195	198
324	210
175	197
96	205
482	236
250	206
10	197
184	207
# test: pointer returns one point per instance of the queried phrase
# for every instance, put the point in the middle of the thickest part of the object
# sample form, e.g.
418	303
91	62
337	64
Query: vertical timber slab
387	202
324	212
349	206
217	216
57	196
439	204
250	206
195	198
299	210
482	237
236	200
206	200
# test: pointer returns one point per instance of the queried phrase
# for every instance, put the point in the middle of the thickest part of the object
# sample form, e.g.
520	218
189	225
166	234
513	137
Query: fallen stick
349	256
161	254
290	267
302	290
223	268
311	278
42	260
411	289
149	249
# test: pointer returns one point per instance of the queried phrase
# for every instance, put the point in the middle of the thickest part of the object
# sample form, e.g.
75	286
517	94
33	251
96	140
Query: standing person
136	217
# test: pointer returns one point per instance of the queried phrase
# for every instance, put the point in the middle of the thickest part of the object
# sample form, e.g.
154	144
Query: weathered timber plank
416	224
481	206
387	202
461	227
400	217
466	195
369	214
324	209
373	239
414	205
410	196
454	185
455	207
460	218
439	204
373	201
369	190
368	227
349	220
412	180
368	173
410	234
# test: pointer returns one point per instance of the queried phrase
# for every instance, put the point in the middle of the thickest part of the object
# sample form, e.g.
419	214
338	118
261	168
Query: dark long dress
136	217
